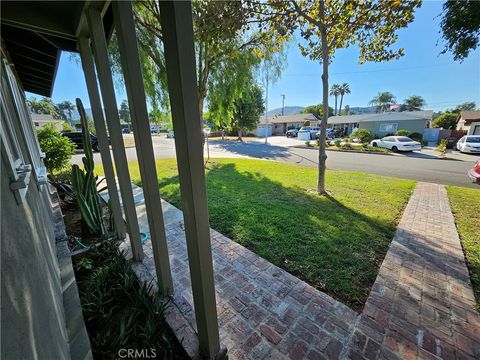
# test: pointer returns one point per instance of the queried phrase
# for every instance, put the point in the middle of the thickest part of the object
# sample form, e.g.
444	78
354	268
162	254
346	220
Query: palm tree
343	89
335	91
414	103
69	108
383	101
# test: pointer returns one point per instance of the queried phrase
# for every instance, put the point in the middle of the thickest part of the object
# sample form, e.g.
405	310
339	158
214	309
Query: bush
338	143
363	134
67	127
442	147
347	146
365	145
308	143
402	132
416	136
446	121
306	123
58	149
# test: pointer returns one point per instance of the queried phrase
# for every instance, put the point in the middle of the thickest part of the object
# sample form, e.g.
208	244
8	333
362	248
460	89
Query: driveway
418	166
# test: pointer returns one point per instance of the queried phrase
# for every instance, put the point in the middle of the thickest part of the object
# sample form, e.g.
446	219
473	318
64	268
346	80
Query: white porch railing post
98	119
132	73
176	21
100	53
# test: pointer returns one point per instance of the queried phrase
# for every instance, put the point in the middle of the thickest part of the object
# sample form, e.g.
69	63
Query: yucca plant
85	184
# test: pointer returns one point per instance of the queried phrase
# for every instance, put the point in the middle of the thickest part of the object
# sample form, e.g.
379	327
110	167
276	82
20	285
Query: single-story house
381	124
40	120
278	125
469	121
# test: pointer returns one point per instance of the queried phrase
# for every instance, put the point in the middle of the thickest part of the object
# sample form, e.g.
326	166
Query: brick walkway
421	305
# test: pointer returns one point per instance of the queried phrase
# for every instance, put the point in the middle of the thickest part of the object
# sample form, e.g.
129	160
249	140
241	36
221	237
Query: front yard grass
335	243
465	205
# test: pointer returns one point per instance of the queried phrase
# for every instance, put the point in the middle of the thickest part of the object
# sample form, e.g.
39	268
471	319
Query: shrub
446	121
67	127
306	123
338	143
347	146
402	132
308	143
416	136
365	145
318	142
58	149
442	147
363	134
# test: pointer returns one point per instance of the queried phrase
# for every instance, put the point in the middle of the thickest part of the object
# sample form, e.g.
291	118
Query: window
37	124
388	128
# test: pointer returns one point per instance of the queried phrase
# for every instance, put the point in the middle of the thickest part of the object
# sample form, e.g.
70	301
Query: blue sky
441	81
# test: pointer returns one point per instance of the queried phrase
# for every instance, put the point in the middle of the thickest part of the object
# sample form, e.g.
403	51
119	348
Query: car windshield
404	139
473	139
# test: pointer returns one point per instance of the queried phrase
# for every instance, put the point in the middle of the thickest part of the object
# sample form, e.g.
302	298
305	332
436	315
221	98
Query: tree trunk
340	108
335	99
322	156
240	135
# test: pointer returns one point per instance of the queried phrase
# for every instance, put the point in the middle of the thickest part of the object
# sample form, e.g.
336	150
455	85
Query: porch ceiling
35	32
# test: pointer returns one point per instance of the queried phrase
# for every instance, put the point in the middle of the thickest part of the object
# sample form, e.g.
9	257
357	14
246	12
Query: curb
341	150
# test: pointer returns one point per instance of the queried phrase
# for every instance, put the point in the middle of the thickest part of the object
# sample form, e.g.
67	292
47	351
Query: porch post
132	73
176	21
98	119
100	53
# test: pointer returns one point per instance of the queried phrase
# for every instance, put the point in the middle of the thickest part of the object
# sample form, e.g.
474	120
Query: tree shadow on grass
318	239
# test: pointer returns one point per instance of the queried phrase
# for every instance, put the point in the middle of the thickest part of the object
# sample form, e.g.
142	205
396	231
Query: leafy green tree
343	90
364	135
464	107
402	132
249	107
317	111
43	106
383	101
460	27
124	112
371	25
57	148
413	103
446	121
335	91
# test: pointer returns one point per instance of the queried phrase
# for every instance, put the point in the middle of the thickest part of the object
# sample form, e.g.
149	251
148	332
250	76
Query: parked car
125	131
474	173
397	143
76	138
170	134
330	134
311	130
292	133
469	144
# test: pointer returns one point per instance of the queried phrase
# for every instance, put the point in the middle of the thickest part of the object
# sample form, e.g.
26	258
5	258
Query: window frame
388	124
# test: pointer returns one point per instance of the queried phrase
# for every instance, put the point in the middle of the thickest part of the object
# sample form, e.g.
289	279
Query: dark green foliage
57	148
124	112
461	27
317	111
415	136
119	312
249	107
402	132
446	121
363	134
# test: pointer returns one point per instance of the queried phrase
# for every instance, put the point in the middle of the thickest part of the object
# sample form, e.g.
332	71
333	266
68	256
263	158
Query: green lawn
466	209
335	243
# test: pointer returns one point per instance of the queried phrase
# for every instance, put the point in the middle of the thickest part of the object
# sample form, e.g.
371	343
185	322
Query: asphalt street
417	166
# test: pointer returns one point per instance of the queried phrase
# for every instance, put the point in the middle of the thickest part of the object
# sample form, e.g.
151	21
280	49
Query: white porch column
132	73
98	119
100	53
176	21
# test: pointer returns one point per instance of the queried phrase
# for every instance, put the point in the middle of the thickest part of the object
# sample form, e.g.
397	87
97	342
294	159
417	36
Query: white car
397	143
469	144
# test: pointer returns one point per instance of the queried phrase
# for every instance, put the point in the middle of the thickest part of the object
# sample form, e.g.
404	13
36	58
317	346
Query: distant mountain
289	110
76	115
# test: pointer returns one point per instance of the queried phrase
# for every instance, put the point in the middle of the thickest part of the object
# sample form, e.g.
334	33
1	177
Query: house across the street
278	125
383	123
40	120
469	121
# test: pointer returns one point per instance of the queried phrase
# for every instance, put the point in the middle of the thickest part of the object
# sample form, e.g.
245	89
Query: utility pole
283	104
266	110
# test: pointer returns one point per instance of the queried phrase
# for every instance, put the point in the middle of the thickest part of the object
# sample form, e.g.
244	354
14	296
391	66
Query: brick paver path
421	305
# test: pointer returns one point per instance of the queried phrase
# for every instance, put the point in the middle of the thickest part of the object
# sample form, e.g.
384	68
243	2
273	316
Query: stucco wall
410	125
33	321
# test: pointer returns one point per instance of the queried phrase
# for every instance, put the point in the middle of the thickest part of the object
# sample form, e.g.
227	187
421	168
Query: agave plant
85	183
